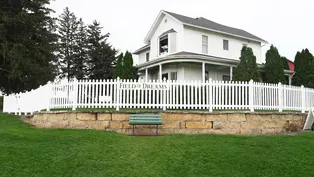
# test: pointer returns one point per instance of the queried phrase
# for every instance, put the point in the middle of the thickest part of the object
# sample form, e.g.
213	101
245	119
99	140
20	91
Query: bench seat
145	119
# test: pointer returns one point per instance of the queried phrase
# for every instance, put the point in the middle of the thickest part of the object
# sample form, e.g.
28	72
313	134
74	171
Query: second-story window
205	44
226	44
163	45
147	56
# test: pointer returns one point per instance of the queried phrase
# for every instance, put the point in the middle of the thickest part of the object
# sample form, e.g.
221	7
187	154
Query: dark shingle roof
169	31
145	47
203	22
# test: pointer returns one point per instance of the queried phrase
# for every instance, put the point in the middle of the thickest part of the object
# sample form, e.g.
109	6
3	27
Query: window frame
204	45
164	37
147	56
175	74
224	76
225	44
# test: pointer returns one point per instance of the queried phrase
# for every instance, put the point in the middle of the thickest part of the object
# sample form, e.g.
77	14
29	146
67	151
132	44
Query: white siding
142	57
163	27
193	38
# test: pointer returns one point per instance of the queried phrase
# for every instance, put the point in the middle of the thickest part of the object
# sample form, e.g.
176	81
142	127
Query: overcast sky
288	24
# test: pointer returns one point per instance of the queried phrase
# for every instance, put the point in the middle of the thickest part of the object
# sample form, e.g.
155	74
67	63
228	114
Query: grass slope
26	151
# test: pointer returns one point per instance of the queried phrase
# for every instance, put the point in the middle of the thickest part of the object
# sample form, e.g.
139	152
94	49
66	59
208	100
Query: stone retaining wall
176	122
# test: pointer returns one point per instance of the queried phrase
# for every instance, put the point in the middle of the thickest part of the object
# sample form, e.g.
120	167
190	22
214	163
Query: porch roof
190	57
195	58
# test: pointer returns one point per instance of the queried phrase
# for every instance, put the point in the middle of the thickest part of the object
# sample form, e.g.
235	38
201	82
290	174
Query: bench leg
133	130
157	130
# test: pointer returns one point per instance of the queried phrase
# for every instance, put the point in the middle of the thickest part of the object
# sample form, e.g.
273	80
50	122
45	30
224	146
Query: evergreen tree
27	45
303	68
274	70
247	68
118	72
68	26
102	56
285	63
129	72
80	58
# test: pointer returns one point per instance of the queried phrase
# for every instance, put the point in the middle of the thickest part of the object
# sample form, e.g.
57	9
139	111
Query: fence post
75	86
210	85
164	95
251	96
303	99
118	94
49	93
280	97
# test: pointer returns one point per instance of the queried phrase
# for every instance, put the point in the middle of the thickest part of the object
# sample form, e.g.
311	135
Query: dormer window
163	45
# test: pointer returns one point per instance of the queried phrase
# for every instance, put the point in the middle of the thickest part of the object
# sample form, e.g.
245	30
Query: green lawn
26	151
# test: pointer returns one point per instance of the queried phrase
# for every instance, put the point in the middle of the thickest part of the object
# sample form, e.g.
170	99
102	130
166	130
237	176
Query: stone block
182	117
96	125
125	125
170	124
259	117
269	131
226	125
62	124
273	124
252	125
236	117
70	116
115	125
103	116
198	125
216	117
291	117
222	131
253	131
120	117
86	116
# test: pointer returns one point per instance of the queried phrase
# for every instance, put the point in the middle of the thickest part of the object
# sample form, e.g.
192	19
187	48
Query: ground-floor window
164	76
206	75
173	76
225	78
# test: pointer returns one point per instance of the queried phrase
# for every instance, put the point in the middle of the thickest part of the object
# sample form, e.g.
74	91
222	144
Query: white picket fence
165	95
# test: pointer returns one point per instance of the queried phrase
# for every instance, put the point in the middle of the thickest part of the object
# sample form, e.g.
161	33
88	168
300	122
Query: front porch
196	67
187	71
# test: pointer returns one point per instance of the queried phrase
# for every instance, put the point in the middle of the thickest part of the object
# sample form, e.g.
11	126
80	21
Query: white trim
152	28
185	61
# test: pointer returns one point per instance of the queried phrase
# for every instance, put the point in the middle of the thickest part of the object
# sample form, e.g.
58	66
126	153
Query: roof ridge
209	24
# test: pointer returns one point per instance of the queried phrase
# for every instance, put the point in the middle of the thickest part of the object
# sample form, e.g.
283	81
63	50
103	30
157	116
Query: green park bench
145	119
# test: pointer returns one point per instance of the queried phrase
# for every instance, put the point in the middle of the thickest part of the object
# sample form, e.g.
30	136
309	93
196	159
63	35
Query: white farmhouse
184	48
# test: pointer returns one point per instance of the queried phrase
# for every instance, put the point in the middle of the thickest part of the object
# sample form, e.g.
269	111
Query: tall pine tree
80	52
274	70
304	64
129	71
118	71
102	56
68	27
247	68
27	45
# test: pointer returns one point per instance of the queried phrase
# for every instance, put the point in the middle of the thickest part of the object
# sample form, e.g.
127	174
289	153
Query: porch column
231	73
290	80
146	75
203	72
160	72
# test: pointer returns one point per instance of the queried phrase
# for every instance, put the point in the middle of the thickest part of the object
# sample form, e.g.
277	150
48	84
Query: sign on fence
144	86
